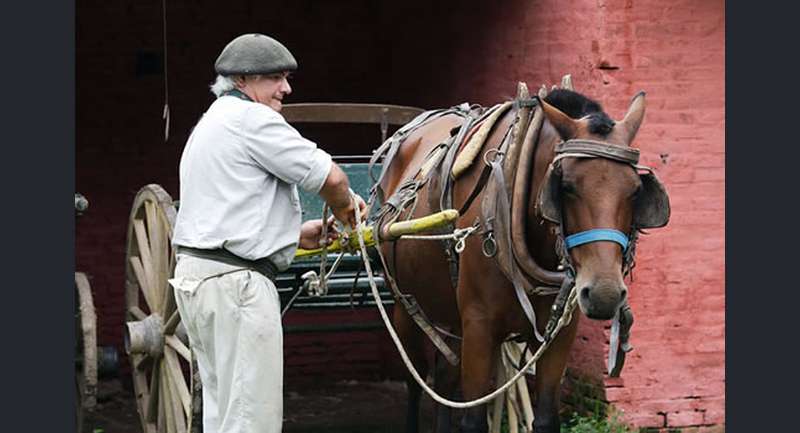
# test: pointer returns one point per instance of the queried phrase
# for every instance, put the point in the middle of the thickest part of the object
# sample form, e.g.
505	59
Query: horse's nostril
623	295
585	293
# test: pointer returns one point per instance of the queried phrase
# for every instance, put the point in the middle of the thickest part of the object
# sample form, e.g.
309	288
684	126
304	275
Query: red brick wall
674	51
427	55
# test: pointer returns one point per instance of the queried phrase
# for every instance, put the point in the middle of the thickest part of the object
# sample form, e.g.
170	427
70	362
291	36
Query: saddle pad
473	147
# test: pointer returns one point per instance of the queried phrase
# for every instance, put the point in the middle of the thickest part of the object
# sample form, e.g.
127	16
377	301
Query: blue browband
595	235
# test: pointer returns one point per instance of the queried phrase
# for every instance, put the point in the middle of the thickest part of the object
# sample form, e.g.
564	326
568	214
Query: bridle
549	207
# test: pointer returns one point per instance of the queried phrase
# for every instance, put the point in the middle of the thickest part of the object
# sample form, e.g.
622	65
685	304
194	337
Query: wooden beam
349	113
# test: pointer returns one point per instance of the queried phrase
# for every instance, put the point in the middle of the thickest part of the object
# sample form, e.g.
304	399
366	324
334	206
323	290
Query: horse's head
593	191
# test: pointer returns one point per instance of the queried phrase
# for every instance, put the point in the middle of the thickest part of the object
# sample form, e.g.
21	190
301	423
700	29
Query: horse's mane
575	105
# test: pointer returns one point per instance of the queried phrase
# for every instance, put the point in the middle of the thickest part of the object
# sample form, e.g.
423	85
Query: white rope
565	318
458	235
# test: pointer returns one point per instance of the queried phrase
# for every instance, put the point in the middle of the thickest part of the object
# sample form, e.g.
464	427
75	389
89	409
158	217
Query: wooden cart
164	371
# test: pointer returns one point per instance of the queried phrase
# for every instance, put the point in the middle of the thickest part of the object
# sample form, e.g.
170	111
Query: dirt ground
349	406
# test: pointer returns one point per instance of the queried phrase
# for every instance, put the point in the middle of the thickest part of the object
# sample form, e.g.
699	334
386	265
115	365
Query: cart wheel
86	348
161	361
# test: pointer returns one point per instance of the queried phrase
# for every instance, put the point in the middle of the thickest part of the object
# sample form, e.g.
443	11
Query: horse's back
414	149
420	266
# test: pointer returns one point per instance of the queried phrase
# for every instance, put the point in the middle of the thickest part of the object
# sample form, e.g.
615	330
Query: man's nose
287	88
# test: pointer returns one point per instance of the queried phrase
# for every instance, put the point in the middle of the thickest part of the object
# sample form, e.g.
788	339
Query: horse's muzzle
600	299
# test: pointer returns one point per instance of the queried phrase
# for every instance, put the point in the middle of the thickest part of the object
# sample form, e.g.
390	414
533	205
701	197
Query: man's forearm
336	190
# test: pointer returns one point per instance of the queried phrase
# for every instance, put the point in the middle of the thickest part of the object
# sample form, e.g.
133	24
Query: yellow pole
392	232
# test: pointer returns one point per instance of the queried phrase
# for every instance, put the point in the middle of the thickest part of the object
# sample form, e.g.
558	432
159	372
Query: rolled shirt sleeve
277	147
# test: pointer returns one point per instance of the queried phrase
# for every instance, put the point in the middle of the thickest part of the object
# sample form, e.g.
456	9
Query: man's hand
311	233
347	214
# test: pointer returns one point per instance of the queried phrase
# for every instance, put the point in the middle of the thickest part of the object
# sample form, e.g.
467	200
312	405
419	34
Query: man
238	224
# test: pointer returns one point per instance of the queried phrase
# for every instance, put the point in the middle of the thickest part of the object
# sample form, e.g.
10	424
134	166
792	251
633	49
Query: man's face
268	89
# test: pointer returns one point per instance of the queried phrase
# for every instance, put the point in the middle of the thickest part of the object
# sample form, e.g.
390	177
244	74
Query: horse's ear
633	118
566	126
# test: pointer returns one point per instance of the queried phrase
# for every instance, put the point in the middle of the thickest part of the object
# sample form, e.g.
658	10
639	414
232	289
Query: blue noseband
595	235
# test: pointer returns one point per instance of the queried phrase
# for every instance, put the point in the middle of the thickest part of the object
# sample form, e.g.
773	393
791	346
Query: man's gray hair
222	84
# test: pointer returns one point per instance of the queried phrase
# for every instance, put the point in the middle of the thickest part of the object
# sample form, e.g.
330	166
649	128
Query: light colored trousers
232	316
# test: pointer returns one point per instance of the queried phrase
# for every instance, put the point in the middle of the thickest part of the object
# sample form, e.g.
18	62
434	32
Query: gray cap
254	53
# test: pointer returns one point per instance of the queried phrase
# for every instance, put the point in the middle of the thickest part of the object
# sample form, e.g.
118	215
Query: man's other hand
311	233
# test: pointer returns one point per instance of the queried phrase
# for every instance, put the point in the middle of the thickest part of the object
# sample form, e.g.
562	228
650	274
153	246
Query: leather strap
416	313
600	149
503	227
595	235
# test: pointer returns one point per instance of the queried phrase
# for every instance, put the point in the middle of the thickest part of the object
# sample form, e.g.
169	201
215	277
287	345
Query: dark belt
263	266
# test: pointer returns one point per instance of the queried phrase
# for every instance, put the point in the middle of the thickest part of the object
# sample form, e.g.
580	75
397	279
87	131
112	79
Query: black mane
575	105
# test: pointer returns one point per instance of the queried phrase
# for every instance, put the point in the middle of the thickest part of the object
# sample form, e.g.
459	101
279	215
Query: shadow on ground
348	406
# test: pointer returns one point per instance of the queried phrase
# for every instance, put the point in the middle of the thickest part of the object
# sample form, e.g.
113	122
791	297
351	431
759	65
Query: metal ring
489	246
489	152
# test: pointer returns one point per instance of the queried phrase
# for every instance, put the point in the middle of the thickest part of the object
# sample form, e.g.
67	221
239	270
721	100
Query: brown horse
483	308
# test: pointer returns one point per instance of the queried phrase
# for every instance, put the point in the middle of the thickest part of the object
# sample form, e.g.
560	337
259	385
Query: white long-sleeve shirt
239	174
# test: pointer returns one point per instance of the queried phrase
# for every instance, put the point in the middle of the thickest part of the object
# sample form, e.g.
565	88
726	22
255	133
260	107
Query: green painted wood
360	182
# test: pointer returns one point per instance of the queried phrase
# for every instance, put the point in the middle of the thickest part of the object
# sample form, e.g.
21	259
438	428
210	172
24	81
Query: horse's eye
569	188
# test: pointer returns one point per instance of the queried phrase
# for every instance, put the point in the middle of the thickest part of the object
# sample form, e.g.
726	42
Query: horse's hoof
547	424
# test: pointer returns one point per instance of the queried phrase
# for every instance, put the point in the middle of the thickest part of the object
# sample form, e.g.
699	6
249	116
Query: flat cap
254	53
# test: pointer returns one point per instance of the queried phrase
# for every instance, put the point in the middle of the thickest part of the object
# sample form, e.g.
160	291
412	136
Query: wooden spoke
177	390
161	419
143	362
173	342
137	313
168	301
147	259
177	380
168	400
142	394
144	284
159	250
151	412
172	323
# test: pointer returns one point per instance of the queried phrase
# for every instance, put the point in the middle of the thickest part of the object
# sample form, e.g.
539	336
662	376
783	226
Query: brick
639	419
684	418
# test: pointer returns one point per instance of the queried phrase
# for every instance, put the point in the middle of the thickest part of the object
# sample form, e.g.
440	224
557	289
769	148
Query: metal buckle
489	245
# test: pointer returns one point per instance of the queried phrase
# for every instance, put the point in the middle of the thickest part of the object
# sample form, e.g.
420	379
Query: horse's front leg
412	340
478	357
549	370
445	383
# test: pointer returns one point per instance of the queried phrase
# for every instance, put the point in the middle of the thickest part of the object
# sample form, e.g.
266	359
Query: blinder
651	209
